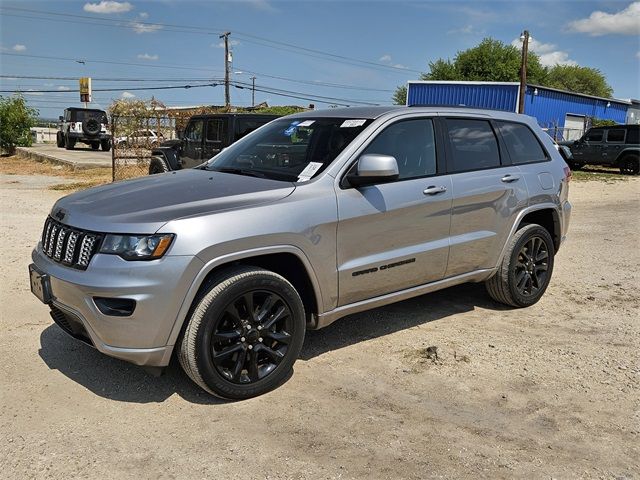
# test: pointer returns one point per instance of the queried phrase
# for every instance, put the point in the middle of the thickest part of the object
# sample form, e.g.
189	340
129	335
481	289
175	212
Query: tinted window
194	131
594	136
522	144
473	145
412	143
244	126
616	135
216	130
633	135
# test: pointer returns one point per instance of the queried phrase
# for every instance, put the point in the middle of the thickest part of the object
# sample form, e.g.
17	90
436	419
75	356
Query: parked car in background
140	138
613	146
311	218
563	150
85	125
204	137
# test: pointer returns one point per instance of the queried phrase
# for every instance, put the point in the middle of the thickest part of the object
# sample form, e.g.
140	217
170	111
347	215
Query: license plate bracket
40	284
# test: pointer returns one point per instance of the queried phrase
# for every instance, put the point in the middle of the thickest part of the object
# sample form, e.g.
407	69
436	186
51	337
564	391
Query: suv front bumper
158	288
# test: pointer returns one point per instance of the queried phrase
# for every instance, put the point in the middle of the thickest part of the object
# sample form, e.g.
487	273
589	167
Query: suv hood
144	204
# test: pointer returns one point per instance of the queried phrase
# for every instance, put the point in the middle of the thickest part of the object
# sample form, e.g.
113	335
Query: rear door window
616	135
521	143
473	145
216	130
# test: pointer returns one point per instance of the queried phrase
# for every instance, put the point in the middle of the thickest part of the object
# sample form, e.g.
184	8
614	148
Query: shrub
16	120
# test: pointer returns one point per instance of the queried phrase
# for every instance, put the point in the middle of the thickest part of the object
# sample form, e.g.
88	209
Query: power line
250	38
168	87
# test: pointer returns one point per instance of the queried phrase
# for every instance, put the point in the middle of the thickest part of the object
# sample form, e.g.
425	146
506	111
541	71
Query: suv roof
85	109
222	114
602	127
377	111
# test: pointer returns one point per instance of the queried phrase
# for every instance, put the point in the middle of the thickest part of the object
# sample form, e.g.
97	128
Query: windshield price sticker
309	171
352	123
306	123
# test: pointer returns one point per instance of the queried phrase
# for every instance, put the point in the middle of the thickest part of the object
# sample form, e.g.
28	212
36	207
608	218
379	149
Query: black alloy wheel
244	333
251	337
524	273
532	267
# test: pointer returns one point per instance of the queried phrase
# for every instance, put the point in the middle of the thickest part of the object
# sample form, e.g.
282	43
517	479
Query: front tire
244	335
525	271
60	139
158	165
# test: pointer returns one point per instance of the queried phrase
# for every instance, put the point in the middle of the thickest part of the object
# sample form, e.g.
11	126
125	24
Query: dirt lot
551	391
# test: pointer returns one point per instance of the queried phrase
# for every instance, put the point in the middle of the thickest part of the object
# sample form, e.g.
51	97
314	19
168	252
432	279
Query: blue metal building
564	114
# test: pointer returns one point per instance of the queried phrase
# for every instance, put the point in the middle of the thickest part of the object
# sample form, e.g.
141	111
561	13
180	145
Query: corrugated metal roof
496	95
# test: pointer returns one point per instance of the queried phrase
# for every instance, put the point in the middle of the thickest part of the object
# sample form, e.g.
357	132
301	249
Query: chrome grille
68	245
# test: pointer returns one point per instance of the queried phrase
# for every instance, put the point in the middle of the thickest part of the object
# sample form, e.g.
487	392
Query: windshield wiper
240	171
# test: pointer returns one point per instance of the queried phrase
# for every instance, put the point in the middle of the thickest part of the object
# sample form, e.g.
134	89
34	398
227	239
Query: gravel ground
551	391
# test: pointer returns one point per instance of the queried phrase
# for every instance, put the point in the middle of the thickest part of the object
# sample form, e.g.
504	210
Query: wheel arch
286	260
546	215
169	155
627	152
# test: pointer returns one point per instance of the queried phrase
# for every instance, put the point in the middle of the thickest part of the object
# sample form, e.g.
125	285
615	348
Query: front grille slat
68	245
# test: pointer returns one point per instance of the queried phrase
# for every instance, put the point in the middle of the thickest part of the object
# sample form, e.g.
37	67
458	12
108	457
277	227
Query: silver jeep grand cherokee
310	218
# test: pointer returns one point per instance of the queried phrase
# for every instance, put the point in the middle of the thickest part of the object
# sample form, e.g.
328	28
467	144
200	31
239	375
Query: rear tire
69	143
244	335
525	271
95	146
60	140
106	145
158	165
630	165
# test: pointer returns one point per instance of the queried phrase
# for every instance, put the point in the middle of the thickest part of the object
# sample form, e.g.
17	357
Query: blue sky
404	36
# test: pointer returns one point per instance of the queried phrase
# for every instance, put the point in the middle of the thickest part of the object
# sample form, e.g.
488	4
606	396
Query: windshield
289	150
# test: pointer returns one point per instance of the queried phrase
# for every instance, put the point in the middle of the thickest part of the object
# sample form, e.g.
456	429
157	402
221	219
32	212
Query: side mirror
372	169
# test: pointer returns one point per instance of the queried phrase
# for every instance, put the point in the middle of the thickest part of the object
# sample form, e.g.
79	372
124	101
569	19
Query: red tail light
567	174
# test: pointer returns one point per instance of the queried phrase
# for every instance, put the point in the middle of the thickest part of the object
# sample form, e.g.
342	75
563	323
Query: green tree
400	95
16	120
574	78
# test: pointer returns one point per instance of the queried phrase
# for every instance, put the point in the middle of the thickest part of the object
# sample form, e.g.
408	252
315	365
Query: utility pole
523	70
253	91
227	98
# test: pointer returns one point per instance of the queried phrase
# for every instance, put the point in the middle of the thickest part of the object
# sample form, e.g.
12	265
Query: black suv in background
204	137
86	125
615	146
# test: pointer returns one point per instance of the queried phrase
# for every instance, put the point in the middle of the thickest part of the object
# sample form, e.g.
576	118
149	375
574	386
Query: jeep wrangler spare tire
91	126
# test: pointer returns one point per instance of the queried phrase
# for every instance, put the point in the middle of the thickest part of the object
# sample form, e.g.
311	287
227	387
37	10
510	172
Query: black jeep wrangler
204	137
615	146
86	125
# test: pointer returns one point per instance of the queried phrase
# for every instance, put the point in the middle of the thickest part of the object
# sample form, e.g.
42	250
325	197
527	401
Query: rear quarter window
522	144
633	135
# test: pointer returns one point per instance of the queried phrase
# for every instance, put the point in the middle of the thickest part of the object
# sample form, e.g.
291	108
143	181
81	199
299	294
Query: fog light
115	307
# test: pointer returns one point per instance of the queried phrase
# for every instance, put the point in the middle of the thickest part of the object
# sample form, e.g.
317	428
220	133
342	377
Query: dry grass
600	174
15	165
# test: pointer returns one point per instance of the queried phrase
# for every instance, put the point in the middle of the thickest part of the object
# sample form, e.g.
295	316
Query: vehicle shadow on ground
112	378
397	316
121	381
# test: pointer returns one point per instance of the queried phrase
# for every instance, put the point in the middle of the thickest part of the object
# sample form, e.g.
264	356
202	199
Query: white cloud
146	56
398	65
145	27
232	43
107	6
32	92
62	88
48	84
385	58
548	53
18	48
466	30
143	15
624	22
127	95
638	54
